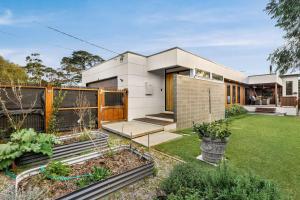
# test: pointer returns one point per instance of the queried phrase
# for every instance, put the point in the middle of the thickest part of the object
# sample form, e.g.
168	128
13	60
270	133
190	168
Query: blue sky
238	34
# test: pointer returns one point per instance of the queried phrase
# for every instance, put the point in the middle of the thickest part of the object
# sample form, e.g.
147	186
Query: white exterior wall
108	69
140	104
265	78
295	85
162	60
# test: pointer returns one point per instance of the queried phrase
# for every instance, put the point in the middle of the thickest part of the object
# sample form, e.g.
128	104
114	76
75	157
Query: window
239	94
228	95
202	73
217	77
289	88
233	94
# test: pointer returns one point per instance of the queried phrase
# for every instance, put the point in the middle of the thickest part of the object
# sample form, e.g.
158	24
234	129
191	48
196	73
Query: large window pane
217	77
202	73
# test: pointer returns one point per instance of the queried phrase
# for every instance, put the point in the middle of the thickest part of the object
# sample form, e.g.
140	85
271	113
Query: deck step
162	117
265	110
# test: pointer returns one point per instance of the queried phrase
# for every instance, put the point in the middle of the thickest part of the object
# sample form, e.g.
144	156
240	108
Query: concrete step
168	126
162	116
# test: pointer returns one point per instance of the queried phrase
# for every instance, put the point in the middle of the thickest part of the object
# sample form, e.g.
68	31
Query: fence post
48	107
100	99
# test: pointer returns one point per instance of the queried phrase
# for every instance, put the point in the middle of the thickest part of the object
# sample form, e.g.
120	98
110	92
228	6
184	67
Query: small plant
53	129
98	174
25	140
57	168
234	110
214	130
84	136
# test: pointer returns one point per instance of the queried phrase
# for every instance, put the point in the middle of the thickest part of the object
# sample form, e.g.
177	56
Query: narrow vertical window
239	94
233	94
289	88
228	95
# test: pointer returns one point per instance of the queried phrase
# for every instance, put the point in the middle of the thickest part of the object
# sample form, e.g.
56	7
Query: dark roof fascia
289	75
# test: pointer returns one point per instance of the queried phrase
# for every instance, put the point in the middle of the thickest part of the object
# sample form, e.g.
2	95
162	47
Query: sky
237	34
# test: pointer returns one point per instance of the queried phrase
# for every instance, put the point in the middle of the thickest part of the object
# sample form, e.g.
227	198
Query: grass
268	146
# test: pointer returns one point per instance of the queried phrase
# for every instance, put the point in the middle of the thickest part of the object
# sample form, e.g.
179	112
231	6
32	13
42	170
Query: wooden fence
288	101
104	105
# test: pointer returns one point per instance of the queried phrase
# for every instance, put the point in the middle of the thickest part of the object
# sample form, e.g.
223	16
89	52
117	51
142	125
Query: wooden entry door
169	91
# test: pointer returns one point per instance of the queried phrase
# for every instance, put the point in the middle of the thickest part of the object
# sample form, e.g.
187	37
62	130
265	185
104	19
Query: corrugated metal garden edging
107	186
65	151
113	183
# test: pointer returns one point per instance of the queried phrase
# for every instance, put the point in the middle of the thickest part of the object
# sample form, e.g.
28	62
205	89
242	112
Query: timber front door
170	88
169	91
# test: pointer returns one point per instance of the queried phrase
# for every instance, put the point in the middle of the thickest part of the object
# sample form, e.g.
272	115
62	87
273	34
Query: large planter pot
213	149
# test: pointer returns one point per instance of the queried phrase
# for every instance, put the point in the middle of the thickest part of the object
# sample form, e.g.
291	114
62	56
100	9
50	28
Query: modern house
180	82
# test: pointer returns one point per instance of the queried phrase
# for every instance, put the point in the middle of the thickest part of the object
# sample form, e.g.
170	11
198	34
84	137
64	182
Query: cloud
6	17
236	38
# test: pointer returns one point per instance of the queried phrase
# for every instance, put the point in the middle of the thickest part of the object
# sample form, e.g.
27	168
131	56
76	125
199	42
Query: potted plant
214	137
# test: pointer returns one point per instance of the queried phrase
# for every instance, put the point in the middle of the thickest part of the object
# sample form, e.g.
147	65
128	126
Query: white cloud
6	18
245	38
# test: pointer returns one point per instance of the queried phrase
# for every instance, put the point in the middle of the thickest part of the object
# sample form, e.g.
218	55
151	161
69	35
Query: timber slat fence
289	101
104	105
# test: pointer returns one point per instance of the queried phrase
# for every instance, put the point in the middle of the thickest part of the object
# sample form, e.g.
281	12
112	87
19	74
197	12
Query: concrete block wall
192	102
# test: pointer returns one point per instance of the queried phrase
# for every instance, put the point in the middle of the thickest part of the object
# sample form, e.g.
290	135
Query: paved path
156	138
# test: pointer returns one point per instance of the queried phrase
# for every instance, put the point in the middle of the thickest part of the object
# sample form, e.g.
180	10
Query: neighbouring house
193	89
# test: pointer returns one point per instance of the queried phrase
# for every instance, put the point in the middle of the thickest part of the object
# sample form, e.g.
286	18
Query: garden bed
71	145
125	165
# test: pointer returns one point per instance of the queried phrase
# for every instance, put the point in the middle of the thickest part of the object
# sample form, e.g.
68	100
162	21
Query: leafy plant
25	140
58	99
189	181
57	168
234	110
214	130
99	173
84	136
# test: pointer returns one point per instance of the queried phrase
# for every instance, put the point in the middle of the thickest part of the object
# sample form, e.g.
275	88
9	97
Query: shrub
214	130
188	181
25	140
234	110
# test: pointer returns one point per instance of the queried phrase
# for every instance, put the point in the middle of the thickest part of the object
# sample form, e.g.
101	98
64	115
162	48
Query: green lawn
268	146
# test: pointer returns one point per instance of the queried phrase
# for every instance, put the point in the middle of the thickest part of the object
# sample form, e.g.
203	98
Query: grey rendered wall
197	101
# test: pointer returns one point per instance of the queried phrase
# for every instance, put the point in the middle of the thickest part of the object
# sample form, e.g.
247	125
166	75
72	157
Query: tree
287	15
78	61
40	73
10	72
35	68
